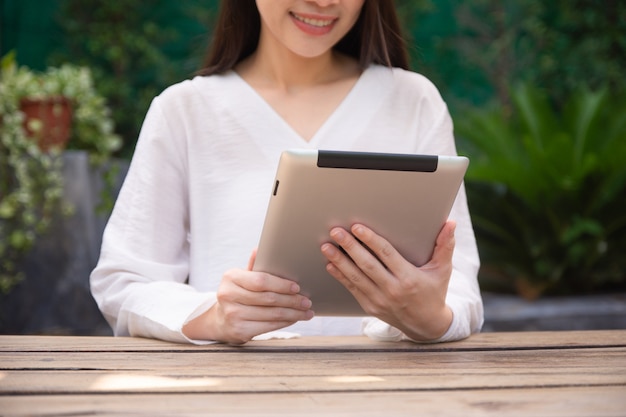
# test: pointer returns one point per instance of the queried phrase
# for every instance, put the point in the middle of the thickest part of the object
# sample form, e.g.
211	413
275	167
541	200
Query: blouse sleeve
139	282
463	295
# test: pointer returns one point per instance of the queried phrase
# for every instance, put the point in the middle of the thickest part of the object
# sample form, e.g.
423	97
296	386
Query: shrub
547	189
134	48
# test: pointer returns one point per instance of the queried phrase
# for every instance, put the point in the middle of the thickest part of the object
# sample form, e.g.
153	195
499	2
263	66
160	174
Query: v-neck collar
260	113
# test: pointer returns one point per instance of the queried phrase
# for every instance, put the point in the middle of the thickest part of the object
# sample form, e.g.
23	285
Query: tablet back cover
404	198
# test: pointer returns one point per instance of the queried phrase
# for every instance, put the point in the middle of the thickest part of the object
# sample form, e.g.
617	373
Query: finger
242	331
260	314
252	259
444	247
261	289
355	278
361	254
233	292
241	323
355	249
275	300
339	276
371	301
262	282
385	252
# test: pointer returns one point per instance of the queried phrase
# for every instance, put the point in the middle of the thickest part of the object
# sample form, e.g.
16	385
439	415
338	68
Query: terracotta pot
55	117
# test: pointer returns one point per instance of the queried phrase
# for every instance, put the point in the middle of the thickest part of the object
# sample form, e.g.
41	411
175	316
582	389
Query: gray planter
54	297
511	313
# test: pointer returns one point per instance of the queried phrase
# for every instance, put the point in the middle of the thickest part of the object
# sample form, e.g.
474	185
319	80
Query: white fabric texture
194	199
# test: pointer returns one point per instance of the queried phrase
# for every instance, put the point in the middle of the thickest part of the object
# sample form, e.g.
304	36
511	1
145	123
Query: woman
328	74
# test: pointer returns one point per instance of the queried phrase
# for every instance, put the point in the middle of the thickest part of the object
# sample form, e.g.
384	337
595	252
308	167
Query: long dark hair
375	38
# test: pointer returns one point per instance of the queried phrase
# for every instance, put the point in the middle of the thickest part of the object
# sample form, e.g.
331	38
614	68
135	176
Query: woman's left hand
387	286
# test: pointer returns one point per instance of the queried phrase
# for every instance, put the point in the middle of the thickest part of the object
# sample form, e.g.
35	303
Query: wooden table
490	374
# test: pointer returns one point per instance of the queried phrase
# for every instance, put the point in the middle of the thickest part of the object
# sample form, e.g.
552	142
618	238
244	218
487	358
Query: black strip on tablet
377	161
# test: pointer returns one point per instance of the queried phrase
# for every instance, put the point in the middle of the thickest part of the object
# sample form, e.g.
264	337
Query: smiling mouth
320	23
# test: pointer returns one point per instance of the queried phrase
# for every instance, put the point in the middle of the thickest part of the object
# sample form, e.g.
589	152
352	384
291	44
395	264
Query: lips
313	25
320	23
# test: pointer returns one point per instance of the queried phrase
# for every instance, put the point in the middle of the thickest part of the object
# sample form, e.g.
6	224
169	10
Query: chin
312	53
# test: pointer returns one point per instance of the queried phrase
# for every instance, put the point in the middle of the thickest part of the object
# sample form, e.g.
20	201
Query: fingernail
337	234
306	303
328	249
358	229
295	288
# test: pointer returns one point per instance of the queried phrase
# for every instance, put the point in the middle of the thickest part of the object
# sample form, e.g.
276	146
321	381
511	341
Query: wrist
199	328
432	328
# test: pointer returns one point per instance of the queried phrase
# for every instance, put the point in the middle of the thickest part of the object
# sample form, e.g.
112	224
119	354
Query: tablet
404	198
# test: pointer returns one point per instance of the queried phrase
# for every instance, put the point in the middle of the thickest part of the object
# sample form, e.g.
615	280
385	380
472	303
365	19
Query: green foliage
555	45
92	124
129	47
545	184
31	182
547	190
410	12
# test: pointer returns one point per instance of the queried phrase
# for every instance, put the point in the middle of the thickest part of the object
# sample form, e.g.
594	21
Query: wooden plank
305	363
481	341
551	402
87	382
313	371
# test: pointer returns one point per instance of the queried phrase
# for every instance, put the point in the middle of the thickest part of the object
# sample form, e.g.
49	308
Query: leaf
534	113
547	189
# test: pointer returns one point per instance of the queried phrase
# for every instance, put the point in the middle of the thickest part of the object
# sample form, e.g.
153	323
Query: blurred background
536	89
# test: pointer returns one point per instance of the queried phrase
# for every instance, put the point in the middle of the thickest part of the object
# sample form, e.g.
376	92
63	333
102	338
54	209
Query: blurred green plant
132	49
547	190
31	181
555	45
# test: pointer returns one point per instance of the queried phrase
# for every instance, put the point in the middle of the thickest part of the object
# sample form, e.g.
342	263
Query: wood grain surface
580	373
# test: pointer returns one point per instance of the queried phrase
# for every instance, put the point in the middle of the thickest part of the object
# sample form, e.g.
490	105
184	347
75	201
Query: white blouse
194	199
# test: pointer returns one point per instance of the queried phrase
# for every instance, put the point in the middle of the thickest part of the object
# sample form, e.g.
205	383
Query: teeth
313	22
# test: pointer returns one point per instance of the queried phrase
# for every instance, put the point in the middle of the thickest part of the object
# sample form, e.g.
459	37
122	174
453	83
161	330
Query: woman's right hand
250	303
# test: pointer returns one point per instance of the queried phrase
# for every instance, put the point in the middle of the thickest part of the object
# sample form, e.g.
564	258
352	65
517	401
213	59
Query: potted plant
32	107
48	120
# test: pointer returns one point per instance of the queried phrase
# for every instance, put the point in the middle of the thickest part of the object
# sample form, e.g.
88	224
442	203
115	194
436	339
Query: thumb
444	246
252	259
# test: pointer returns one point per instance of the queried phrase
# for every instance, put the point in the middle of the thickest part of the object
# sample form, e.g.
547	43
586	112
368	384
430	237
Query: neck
281	69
